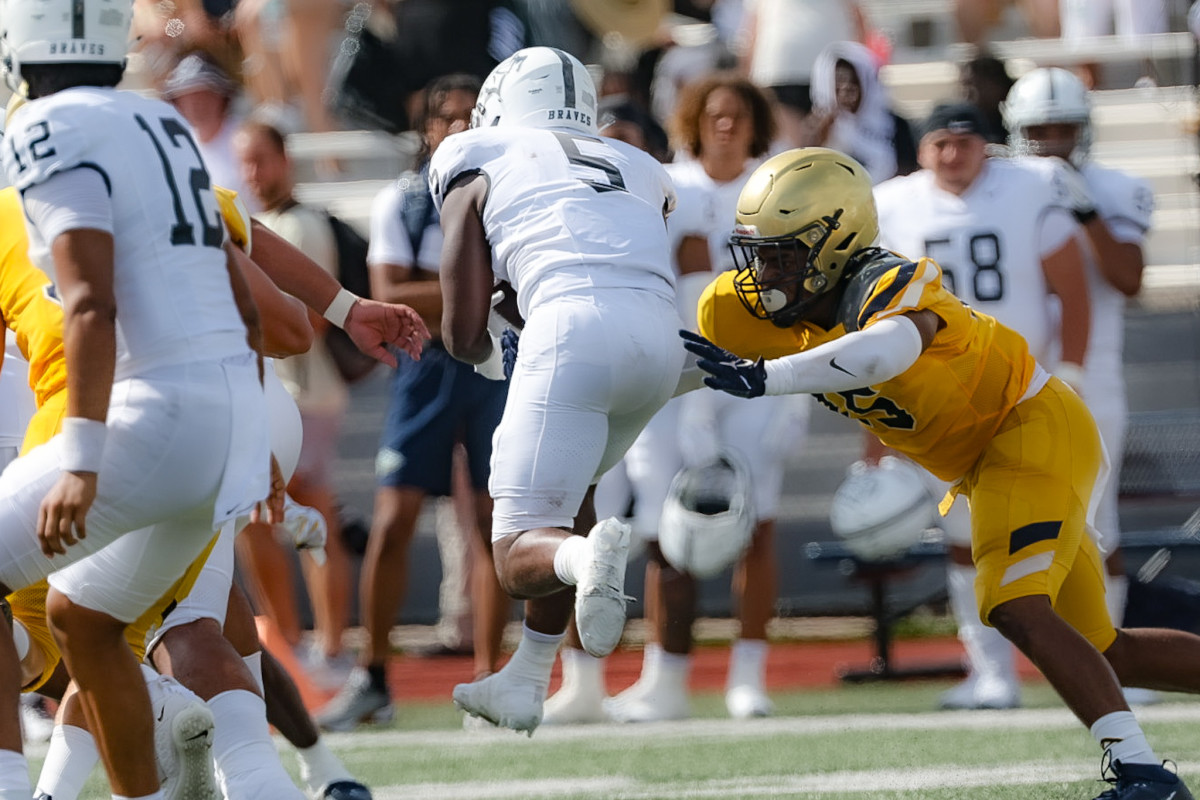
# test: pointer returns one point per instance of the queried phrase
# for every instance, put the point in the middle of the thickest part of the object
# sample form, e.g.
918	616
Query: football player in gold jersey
814	307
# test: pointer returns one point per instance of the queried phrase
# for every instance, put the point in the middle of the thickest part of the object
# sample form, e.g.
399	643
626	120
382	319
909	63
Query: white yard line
850	782
713	728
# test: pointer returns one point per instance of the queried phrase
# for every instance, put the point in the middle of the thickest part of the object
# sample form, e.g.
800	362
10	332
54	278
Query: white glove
306	527
1078	195
493	367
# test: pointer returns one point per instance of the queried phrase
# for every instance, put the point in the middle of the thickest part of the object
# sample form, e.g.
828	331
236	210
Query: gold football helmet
800	219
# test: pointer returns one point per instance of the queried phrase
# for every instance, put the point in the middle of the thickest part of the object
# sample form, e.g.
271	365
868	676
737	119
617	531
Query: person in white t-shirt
1004	235
532	200
1049	112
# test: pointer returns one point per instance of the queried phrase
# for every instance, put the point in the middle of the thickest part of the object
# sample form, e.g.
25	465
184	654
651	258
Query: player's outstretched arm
282	318
372	326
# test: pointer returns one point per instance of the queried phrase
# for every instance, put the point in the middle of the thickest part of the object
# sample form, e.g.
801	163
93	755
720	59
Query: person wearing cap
203	93
1004	234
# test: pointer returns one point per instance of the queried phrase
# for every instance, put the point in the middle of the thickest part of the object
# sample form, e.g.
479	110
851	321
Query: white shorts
1082	19
593	369
176	450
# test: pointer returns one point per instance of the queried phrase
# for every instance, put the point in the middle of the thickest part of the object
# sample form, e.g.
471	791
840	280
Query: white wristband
339	307
83	444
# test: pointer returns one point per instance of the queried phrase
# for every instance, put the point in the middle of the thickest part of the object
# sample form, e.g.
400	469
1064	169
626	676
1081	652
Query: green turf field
878	741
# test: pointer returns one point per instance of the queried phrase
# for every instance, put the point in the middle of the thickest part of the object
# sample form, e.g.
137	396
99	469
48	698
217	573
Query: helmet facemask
789	280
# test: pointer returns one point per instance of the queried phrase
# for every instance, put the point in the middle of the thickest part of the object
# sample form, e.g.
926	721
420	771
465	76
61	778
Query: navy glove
740	377
508	346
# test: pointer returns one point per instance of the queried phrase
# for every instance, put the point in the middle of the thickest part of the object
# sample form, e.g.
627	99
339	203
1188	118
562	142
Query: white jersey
173	297
989	241
565	211
1125	203
706	208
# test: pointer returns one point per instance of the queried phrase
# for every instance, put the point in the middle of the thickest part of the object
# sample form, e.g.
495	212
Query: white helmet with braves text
1048	96
538	87
62	32
708	517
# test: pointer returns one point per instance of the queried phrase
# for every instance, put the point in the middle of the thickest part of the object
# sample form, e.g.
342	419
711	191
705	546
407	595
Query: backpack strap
418	211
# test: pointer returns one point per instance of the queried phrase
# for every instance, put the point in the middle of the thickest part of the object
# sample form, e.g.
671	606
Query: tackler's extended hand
738	376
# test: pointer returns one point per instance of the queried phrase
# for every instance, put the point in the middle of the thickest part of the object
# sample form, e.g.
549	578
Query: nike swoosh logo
833	363
162	712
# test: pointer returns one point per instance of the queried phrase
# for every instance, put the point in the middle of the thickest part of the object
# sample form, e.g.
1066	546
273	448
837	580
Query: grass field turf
879	741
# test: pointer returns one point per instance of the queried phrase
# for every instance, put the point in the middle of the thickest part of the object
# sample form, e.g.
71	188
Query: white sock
571	559
989	654
674	668
156	796
1120	734
254	664
69	761
1116	591
247	762
14	776
320	767
579	669
747	662
534	658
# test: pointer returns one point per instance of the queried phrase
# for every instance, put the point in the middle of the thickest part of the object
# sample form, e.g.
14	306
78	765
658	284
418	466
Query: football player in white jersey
1003	233
532	197
152	455
1049	114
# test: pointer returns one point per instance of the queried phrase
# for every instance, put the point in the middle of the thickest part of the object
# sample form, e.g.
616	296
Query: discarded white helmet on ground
708	517
880	511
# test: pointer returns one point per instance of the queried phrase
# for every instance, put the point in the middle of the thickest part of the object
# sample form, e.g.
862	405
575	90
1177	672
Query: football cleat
503	700
356	703
37	724
574	705
1141	782
656	701
747	701
600	593
183	739
977	693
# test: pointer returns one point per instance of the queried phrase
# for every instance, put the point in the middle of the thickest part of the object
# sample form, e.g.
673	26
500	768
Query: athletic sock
69	761
247	761
319	767
747	662
1120	734
571	559
254	664
534	658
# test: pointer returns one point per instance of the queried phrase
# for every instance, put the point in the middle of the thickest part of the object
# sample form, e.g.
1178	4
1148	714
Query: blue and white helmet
538	87
62	32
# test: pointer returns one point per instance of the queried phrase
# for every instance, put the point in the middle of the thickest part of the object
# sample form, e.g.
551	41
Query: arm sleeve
76	198
864	358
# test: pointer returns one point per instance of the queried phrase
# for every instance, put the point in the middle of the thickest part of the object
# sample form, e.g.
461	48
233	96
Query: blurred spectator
694	52
852	113
1129	19
621	118
782	39
976	18
435	403
165	32
287	56
314	381
984	83
203	93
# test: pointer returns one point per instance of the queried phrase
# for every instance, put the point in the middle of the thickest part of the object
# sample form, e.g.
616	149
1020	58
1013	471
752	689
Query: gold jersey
941	412
28	303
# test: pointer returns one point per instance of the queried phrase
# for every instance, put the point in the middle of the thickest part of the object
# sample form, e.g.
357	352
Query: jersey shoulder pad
47	138
457	155
1120	196
878	284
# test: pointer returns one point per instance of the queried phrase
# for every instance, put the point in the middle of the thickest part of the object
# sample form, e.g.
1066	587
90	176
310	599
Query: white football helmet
538	87
62	32
708	517
1046	96
880	511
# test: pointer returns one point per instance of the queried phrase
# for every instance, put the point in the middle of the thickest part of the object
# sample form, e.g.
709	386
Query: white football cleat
503	700
600	593
183	739
657	702
979	693
747	701
37	724
573	705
